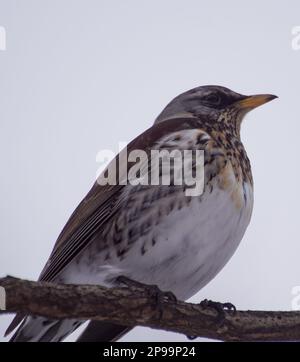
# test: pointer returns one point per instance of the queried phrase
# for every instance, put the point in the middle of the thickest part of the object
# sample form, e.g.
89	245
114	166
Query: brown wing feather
100	200
96	208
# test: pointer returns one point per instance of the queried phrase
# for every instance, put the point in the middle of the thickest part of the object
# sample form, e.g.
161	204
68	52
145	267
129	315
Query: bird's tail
40	329
102	332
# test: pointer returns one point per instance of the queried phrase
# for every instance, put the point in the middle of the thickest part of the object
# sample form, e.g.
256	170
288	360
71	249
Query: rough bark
133	306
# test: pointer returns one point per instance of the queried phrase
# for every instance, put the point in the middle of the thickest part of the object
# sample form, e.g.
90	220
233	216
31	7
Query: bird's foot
152	291
220	308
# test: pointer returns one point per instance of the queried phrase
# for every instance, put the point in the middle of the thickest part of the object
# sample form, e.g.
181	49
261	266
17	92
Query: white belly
192	245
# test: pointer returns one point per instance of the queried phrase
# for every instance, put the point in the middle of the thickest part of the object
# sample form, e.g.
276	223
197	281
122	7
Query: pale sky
81	76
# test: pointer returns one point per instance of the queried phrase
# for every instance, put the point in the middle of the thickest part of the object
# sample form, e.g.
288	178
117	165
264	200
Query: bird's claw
220	308
152	291
159	295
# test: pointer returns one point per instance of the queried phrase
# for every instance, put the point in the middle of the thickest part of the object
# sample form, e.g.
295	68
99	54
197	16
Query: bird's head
215	104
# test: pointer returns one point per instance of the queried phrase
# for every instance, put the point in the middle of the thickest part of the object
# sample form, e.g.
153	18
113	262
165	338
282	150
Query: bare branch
133	306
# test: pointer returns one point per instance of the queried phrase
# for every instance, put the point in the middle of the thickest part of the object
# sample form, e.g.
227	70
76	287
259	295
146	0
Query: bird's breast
161	236
190	242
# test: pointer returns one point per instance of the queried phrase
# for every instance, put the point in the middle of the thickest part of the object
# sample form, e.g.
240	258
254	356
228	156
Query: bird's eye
213	98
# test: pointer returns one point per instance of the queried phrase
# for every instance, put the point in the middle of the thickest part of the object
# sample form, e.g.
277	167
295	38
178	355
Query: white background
80	76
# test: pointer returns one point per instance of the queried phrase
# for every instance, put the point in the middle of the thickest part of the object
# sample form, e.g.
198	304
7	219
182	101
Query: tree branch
133	306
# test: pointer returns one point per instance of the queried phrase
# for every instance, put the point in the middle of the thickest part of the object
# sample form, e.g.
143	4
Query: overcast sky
80	76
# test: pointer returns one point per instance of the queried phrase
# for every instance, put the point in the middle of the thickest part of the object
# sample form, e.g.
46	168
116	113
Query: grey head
214	104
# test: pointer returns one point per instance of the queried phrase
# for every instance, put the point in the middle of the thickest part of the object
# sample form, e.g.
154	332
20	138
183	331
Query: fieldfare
159	234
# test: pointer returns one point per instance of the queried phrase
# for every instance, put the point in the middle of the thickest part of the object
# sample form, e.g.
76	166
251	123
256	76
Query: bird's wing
100	204
85	221
98	207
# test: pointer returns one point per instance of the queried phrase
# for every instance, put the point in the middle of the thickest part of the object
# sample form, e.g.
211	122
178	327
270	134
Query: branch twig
132	306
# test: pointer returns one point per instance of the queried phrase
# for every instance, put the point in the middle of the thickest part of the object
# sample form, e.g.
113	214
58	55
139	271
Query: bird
158	234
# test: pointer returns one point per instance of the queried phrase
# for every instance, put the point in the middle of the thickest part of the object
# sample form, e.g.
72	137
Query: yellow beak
252	102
